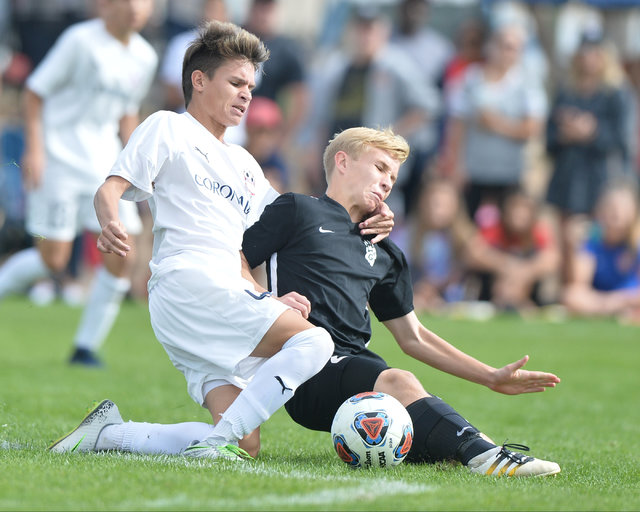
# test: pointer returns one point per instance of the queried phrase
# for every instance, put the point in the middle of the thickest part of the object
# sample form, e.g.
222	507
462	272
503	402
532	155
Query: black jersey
311	246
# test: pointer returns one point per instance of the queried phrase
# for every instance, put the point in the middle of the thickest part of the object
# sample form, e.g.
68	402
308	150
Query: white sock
152	438
101	310
275	382
20	271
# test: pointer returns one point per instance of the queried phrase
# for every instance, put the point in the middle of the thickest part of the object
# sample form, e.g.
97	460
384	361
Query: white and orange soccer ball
372	429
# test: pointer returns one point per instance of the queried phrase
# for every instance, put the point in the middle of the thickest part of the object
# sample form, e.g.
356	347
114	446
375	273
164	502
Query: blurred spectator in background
436	243
519	252
264	127
171	69
495	112
606	272
430	53
470	40
585	128
470	49
81	103
38	24
370	84
283	76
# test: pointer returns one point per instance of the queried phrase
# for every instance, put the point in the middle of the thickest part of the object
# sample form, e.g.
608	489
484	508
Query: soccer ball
372	430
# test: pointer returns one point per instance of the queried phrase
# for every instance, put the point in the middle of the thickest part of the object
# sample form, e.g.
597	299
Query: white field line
352	488
364	491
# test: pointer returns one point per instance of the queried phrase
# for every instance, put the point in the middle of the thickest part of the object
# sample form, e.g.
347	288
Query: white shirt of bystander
90	80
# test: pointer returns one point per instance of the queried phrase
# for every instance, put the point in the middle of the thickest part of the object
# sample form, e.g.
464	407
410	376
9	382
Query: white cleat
84	437
500	461
216	449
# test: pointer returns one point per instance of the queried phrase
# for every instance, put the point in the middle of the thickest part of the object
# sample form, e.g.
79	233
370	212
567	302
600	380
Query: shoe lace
516	457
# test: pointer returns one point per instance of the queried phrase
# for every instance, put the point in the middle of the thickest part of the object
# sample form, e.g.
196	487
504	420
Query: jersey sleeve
55	69
392	296
143	157
271	232
265	195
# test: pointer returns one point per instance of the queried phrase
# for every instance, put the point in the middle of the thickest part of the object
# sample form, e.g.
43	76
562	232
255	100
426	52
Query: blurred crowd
520	193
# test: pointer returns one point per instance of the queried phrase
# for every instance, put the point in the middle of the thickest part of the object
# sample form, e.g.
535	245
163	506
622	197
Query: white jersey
89	80
203	193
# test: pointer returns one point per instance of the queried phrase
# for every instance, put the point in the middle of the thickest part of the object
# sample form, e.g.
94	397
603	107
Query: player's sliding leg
440	433
103	429
304	352
108	289
220	401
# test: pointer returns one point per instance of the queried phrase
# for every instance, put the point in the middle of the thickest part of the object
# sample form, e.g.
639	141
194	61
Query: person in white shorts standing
80	103
243	352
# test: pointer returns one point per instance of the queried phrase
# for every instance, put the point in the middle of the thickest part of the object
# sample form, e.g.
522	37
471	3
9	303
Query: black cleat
85	357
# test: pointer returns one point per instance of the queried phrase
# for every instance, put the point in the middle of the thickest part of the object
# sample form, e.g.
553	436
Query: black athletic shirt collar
337	205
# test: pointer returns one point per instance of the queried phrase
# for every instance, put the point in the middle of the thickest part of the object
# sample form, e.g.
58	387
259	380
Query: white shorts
60	210
209	324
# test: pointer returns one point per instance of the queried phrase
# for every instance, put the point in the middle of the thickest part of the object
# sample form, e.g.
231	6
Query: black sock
440	433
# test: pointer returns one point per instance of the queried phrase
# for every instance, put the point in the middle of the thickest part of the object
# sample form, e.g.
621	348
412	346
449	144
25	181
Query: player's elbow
409	346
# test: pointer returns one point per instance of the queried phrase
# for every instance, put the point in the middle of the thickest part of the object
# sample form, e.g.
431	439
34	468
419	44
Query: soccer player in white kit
80	102
243	352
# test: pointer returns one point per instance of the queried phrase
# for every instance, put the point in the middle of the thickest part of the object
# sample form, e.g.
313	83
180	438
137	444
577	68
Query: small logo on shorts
259	297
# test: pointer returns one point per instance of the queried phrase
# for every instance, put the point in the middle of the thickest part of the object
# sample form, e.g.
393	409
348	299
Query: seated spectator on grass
438	237
606	272
520	252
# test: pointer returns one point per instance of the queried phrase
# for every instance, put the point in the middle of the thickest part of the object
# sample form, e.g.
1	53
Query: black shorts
315	402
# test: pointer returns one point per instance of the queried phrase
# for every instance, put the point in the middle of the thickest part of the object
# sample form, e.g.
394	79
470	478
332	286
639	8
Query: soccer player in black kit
313	246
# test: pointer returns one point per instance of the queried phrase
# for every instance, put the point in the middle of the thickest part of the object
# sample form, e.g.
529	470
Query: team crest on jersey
249	181
370	252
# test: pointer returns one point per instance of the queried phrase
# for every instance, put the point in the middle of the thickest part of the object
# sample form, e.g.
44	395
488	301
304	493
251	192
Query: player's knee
324	344
400	384
315	341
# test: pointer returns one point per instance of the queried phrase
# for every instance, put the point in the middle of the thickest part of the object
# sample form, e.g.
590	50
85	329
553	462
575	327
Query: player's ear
341	160
197	80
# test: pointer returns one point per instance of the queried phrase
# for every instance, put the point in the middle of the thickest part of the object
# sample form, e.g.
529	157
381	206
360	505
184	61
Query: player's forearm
245	270
32	105
420	343
438	353
106	201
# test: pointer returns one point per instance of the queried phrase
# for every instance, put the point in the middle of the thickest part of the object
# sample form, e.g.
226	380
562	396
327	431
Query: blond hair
218	42
612	73
629	186
354	141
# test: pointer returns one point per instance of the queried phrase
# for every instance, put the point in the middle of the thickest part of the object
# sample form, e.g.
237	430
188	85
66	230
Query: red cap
264	112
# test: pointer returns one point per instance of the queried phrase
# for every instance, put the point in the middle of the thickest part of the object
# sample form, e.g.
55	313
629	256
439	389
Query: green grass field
590	424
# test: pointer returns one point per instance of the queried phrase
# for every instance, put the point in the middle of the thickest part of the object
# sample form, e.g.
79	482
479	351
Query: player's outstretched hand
513	380
298	302
112	239
380	223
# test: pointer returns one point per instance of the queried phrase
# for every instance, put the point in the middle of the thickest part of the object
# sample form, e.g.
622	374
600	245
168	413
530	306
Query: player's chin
233	121
373	204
